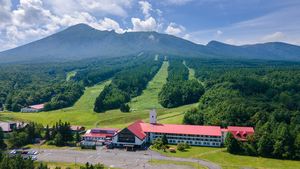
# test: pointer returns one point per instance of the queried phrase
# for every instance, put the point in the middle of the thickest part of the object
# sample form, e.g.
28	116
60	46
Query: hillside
84	42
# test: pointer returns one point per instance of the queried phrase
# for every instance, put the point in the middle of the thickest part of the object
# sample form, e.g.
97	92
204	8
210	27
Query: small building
80	129
99	136
33	108
240	133
9	127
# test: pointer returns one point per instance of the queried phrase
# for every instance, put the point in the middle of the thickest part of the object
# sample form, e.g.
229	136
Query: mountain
271	50
83	42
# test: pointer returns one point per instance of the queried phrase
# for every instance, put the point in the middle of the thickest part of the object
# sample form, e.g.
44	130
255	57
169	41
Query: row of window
188	135
183	138
194	142
93	138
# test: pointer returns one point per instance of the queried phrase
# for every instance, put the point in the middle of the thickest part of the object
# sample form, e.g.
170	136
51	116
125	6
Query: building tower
152	116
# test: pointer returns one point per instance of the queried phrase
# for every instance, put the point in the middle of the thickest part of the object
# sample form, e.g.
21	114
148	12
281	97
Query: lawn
46	146
52	165
230	161
70	74
178	163
191	152
191	72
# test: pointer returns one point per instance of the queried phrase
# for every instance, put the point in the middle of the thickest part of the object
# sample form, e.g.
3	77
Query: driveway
118	158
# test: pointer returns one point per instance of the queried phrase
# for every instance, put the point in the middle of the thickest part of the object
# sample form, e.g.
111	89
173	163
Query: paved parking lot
117	158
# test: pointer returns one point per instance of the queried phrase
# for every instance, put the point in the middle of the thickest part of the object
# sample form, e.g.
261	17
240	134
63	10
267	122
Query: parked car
13	152
34	158
35	153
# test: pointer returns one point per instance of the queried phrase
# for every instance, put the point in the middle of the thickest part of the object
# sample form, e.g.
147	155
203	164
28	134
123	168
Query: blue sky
236	22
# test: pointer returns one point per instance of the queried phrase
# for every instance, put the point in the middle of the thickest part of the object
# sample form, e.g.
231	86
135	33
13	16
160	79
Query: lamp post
151	157
75	160
198	164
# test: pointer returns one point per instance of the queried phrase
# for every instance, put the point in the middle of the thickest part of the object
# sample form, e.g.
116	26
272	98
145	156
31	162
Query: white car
34	158
13	152
35	153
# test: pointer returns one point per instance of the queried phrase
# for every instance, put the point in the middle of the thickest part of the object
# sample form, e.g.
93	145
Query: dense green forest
179	90
125	85
261	94
24	85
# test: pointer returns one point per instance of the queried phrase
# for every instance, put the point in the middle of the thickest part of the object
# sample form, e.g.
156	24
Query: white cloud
230	41
147	25
102	7
219	33
145	7
5	15
107	24
273	37
76	18
174	31
187	36
159	12
152	37
179	2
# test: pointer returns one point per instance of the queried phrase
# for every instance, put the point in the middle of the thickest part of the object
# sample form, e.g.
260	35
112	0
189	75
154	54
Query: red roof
100	135
137	129
241	132
107	129
224	130
74	128
182	129
38	106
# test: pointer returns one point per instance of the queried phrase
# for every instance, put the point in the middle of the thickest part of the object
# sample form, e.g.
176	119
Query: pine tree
233	145
77	135
47	133
265	145
1	138
297	146
15	107
164	139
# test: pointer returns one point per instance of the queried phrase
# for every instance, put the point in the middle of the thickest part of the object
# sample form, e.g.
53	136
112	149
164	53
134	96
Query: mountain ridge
82	42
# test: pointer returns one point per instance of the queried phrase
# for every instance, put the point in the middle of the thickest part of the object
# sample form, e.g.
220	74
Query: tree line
179	90
265	97
126	84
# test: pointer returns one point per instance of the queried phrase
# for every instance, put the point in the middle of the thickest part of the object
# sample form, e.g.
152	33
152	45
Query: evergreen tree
265	145
77	136
47	133
1	139
42	166
15	107
6	163
58	140
297	146
164	139
233	145
8	102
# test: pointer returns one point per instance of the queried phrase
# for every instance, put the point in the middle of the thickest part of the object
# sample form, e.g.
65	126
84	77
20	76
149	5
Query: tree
58	140
265	145
6	163
233	145
42	166
77	136
1	139
8	102
124	108
164	139
297	146
47	133
15	107
180	146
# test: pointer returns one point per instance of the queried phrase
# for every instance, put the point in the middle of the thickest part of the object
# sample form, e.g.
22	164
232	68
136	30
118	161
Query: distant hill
82	42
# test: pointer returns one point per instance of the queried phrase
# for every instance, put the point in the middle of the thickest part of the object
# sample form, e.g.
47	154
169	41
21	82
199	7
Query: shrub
180	146
187	145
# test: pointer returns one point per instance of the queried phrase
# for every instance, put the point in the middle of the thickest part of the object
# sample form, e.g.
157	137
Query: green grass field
52	165
178	163
70	74
191	72
230	161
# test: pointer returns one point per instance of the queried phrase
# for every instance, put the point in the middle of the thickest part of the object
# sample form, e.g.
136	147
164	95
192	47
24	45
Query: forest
260	94
179	90
125	85
30	84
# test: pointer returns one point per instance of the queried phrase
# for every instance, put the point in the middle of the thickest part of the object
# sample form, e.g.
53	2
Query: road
117	158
